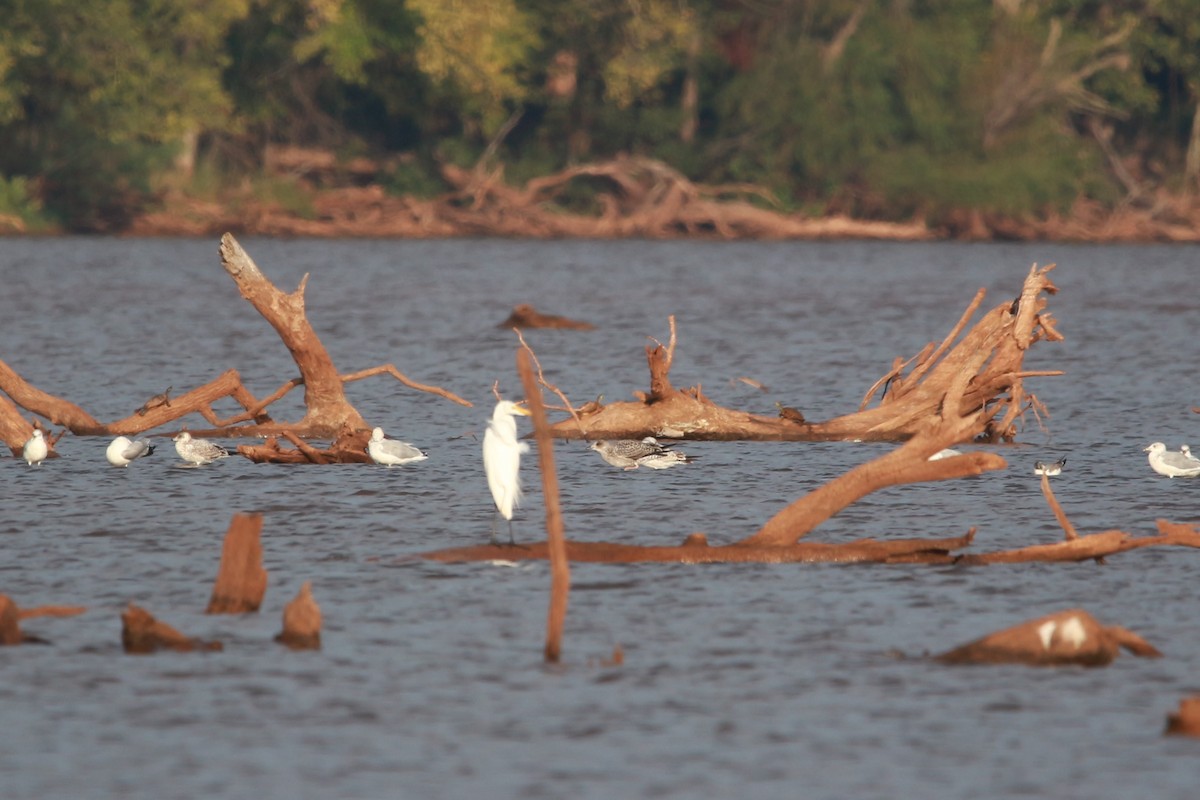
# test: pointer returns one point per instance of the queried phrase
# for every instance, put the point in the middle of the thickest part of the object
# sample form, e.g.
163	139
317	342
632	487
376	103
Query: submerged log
1065	637
987	361
241	580
141	633
301	621
1186	721
526	316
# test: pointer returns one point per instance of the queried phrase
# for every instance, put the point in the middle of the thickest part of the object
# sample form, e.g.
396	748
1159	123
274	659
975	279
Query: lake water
752	681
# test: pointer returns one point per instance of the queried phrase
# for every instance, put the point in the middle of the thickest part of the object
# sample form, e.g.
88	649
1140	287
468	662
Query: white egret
1171	464
390	452
122	450
630	454
35	450
502	461
198	451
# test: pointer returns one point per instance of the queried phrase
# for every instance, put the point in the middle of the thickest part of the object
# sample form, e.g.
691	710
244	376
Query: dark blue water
749	680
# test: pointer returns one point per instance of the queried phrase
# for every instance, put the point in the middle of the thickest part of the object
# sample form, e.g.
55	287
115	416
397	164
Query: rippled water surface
739	681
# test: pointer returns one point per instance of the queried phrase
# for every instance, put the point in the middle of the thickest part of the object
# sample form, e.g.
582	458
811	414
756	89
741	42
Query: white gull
122	451
390	452
1171	464
198	451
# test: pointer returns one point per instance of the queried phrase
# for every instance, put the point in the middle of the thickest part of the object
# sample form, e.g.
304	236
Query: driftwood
526	316
141	633
987	360
301	621
10	622
1066	637
241	580
1186	721
329	414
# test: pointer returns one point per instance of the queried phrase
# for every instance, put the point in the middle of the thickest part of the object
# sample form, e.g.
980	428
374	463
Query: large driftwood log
328	413
988	360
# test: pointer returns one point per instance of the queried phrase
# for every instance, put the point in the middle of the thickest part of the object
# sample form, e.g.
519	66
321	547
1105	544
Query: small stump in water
301	621
1185	722
141	633
241	580
10	621
1065	637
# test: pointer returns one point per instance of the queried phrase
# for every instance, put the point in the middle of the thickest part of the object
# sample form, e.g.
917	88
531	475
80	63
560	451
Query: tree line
882	109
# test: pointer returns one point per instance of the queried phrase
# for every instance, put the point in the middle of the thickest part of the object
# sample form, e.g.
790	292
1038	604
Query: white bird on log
1170	463
391	452
36	449
502	461
1051	469
630	454
198	451
123	451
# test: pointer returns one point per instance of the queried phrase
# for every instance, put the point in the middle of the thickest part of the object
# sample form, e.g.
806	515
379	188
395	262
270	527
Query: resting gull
123	450
390	452
1170	463
35	450
631	454
1051	469
1187	452
198	451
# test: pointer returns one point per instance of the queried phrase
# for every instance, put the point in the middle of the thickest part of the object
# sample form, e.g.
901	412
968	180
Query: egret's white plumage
198	451
630	454
391	452
1171	464
36	449
502	460
122	450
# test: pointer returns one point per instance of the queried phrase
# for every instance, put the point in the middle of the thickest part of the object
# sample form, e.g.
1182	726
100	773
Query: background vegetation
877	108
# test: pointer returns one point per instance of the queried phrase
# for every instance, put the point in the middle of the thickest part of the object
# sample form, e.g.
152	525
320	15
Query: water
749	680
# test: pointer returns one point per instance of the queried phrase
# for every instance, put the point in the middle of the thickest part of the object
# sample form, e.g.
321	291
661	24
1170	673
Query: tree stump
10	625
241	580
301	621
1065	637
141	633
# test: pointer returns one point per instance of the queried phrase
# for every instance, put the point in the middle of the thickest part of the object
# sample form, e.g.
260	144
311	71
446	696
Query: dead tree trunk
988	361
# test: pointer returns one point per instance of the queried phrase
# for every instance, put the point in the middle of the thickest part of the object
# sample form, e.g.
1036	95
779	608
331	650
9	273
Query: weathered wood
10	621
1186	721
526	316
141	633
1065	637
241	579
301	621
560	570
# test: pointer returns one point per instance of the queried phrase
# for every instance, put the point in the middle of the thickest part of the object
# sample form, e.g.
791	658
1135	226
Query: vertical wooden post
1059	514
301	621
241	580
10	625
560	570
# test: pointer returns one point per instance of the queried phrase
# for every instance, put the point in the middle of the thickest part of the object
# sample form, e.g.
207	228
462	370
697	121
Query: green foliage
18	202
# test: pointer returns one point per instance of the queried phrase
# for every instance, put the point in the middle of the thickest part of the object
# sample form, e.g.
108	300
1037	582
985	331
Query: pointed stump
1065	637
141	633
1186	722
301	621
10	621
241	580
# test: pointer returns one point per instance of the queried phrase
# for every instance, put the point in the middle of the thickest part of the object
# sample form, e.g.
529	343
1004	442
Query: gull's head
37	433
182	436
598	445
377	435
1183	448
1157	447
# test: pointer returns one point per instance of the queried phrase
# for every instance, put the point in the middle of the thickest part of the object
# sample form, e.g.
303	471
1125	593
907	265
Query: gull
35	450
390	452
1053	468
123	450
502	461
630	454
1171	464
198	451
1187	452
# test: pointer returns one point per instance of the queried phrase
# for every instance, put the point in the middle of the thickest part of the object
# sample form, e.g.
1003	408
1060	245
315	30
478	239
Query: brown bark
301	621
241	580
526	316
987	362
141	633
1092	546
560	570
1186	721
10	622
1065	637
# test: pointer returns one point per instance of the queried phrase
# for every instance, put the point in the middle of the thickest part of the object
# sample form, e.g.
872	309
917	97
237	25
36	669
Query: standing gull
1171	464
35	450
630	454
198	451
502	461
123	450
390	452
1053	468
